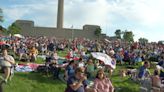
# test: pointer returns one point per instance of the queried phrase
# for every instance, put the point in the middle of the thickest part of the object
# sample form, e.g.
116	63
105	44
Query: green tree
118	33
128	36
98	32
2	29
1	15
14	29
143	40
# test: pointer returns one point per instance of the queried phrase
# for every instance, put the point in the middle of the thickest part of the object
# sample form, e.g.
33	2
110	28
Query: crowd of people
84	73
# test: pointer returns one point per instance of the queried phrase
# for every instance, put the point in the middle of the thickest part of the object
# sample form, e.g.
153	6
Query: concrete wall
28	29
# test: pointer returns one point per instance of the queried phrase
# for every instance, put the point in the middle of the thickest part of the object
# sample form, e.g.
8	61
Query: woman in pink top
156	81
102	84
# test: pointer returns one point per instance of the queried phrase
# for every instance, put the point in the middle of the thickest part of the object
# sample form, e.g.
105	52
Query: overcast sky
143	17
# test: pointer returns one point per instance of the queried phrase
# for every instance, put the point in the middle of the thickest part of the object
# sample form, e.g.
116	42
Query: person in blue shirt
70	71
143	71
78	82
161	64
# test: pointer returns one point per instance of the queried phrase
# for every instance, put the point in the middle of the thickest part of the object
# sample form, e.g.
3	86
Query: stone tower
60	14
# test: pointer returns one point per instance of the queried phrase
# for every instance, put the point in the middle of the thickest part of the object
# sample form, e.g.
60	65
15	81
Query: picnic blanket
27	67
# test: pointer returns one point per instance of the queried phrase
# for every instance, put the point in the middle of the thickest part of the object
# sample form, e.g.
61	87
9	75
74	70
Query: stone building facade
29	29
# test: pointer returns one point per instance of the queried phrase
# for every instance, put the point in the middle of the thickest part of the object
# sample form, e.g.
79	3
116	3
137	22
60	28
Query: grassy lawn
33	82
123	84
36	82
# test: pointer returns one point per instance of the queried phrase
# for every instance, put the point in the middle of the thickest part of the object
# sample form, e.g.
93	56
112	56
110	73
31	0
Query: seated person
143	71
90	68
54	58
22	52
70	71
6	62
33	52
156	81
77	82
81	63
70	54
51	61
54	65
138	59
101	83
160	66
43	49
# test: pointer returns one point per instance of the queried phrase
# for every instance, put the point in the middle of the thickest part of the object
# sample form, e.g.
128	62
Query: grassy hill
36	82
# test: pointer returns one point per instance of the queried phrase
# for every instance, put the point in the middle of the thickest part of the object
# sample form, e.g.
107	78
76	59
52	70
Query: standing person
6	62
101	83
77	82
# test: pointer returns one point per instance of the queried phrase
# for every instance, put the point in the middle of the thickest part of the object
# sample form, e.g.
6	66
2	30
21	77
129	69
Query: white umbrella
18	35
105	58
107	41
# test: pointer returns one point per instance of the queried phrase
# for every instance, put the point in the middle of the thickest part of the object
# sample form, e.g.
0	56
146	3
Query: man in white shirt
6	61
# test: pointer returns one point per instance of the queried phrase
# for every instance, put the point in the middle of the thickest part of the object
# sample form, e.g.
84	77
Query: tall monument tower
60	14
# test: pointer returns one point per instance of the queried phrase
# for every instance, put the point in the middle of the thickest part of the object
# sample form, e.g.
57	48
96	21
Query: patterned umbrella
105	58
